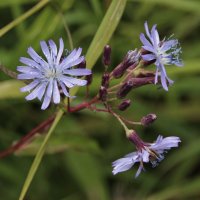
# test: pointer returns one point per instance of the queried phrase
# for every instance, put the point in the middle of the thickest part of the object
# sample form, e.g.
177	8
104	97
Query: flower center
52	72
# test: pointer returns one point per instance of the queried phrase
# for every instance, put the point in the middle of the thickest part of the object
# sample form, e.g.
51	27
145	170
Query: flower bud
133	83
138	82
107	55
130	60
89	79
148	119
125	89
124	104
103	93
105	80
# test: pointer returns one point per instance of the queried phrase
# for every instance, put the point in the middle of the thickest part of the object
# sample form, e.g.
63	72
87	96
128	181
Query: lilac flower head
51	75
146	152
165	52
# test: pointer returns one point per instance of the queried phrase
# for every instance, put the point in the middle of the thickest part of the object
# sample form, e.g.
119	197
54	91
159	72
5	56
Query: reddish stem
27	137
42	126
84	105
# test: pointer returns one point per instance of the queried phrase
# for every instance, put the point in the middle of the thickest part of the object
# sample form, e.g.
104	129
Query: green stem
39	156
17	21
121	122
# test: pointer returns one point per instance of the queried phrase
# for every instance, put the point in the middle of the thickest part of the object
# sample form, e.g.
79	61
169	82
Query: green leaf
23	17
105	31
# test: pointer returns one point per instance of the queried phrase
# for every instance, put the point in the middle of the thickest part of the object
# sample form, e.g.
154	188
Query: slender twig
114	87
9	72
84	105
27	137
130	122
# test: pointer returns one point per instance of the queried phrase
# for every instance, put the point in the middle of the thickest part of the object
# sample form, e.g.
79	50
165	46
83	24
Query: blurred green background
78	164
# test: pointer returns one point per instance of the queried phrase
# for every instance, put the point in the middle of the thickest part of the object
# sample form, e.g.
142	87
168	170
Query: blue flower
146	152
165	52
52	75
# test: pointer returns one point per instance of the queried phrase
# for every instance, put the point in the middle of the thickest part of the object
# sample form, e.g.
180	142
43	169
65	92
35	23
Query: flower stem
39	156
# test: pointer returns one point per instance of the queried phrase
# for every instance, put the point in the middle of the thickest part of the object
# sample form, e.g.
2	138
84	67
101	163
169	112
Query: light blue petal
163	80
149	48
72	57
29	62
139	170
76	81
28	70
60	52
25	76
155	36
66	82
66	93
56	93
73	63
149	57
122	165
45	50
42	91
144	40
78	72
147	29
47	96
53	47
37	58
30	86
168	45
34	93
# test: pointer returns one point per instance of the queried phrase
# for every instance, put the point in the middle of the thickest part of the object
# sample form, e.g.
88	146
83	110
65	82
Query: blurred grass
89	143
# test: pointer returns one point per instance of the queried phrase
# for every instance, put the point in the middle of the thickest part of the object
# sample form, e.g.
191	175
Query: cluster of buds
53	77
131	73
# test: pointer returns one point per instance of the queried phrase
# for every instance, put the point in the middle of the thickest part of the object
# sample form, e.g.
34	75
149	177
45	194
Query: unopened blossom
53	74
146	152
164	52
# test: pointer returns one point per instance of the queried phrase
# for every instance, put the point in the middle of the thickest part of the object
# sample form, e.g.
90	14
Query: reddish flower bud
105	80
148	119
125	89
107	55
124	104
133	83
130	60
103	93
89	79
